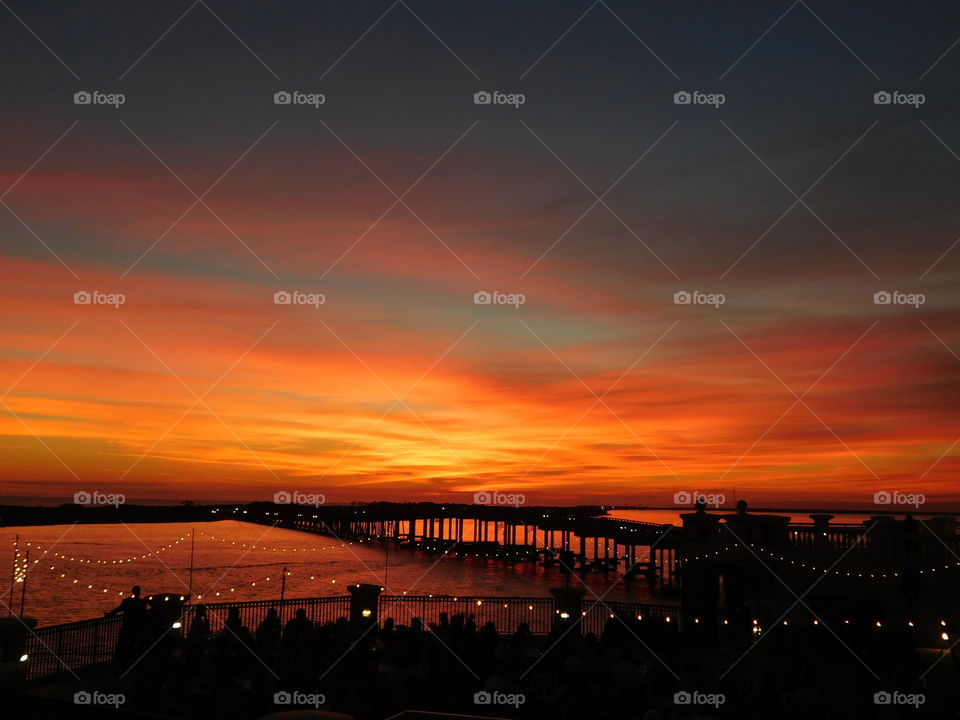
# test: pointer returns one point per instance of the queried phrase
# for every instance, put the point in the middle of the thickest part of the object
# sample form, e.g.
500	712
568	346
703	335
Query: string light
118	561
254	546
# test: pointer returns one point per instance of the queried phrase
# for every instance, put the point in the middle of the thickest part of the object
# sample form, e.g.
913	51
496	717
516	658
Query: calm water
222	564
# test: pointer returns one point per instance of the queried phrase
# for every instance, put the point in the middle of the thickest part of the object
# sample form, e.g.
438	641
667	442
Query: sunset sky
797	390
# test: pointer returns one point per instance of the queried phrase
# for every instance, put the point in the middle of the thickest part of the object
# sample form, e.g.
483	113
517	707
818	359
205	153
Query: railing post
364	606
567	605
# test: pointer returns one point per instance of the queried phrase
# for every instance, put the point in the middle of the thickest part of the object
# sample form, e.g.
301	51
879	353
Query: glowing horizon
799	388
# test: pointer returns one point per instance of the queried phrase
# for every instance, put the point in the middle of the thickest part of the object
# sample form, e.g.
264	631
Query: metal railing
74	646
320	610
505	612
61	648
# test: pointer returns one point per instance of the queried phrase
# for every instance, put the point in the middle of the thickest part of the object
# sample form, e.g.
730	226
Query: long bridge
575	537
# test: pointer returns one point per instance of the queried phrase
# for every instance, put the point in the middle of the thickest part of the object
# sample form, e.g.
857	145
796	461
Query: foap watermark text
494	497
295	497
95	497
692	497
295	297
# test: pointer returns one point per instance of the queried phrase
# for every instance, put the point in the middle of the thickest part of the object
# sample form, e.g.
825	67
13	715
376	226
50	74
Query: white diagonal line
240	40
600	400
597	401
939	658
362	36
800	400
39	239
426	572
400	400
39	159
202	402
757	41
799	598
599	199
937	261
38	360
439	39
600	602
46	551
399	199
799	199
37	638
198	400
619	20
392	405
818	19
346	652
39	439
940	340
187	588
640	40
39	40
797	401
199	199
937	61
397	597
839	39
955	442
939	539
157	41
557	41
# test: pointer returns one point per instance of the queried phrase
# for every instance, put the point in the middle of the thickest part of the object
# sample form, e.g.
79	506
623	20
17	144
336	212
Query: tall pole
13	571
386	562
193	537
23	595
283	585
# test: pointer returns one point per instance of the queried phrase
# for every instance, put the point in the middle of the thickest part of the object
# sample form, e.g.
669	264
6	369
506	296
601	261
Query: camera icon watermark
885	697
95	97
299	699
895	297
695	97
694	497
95	497
895	97
695	297
493	497
895	497
95	697
295	297
482	297
95	297
499	698
295	497
495	97
684	697
295	97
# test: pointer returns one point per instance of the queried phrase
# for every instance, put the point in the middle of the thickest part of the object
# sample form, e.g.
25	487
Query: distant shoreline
792	511
129	512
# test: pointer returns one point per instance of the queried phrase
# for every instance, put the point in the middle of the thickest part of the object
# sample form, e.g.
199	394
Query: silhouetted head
135	591
741	506
272	613
301	614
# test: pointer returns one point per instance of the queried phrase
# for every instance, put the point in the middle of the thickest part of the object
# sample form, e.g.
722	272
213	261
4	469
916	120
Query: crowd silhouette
632	671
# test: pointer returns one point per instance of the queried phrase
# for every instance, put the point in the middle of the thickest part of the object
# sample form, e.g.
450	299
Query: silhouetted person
234	624
200	626
268	635
133	624
298	634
